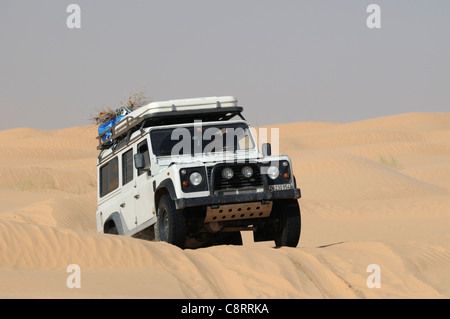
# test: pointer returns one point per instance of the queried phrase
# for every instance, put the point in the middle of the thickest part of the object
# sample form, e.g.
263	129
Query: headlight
247	171
227	173
273	172
195	178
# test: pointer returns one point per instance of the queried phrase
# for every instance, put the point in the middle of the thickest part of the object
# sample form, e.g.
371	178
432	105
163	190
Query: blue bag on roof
108	125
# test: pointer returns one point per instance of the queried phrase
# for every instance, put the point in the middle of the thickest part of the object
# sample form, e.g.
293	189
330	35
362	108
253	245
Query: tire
288	233
170	224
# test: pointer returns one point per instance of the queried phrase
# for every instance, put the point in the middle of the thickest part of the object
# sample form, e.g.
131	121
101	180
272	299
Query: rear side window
109	177
127	167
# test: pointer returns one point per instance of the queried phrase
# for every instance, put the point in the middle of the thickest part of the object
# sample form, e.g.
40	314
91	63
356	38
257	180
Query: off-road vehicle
189	173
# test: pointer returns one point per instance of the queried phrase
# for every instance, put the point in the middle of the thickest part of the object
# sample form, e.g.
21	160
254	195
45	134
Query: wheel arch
114	220
165	187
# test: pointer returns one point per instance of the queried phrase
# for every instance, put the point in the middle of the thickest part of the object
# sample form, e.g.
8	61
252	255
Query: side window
143	149
127	167
109	177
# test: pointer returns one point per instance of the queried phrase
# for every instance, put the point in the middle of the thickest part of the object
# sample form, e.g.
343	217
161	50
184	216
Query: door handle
122	205
137	196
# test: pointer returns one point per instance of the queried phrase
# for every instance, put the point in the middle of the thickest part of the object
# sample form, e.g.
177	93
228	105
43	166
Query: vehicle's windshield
201	138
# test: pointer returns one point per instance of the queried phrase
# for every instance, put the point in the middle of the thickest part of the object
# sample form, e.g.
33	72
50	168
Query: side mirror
139	161
139	164
267	149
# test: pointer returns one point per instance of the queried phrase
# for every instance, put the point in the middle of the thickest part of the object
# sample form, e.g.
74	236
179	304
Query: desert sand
373	192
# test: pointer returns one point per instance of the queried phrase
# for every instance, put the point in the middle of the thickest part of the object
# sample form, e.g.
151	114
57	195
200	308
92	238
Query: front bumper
239	198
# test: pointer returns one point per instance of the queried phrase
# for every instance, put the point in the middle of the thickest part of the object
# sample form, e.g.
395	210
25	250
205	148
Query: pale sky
285	61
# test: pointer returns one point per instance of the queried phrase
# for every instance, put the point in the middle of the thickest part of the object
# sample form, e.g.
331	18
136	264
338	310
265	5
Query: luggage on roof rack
180	111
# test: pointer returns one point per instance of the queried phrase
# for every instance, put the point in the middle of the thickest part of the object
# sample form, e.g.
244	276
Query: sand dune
373	192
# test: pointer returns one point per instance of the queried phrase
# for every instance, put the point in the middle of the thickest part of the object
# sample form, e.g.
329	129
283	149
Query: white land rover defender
184	172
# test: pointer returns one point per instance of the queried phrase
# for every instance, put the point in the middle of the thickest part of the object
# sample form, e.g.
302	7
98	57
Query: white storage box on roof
194	104
185	105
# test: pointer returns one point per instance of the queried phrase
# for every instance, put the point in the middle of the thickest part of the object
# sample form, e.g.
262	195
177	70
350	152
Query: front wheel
170	223
288	233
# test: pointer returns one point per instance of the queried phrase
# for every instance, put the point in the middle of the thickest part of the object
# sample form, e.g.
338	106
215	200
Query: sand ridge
373	192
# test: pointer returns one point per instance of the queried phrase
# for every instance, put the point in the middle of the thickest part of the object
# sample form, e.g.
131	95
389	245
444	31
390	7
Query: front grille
238	181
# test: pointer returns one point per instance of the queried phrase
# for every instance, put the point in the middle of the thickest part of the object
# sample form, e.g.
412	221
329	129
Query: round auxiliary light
273	172
247	171
227	173
195	178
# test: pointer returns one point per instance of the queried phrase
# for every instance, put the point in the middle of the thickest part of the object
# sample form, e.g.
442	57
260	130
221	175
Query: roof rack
181	112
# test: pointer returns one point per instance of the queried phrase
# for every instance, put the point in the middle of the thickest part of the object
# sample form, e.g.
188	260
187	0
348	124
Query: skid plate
238	211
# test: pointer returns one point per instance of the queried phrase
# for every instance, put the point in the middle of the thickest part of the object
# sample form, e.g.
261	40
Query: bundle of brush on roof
131	103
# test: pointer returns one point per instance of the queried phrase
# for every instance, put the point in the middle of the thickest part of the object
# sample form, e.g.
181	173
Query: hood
210	158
